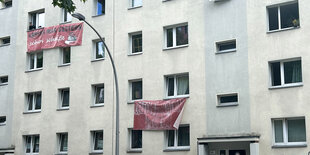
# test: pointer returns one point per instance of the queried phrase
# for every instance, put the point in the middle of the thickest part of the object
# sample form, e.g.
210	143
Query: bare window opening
283	16
227	99
6	3
5	41
226	46
2	120
4	80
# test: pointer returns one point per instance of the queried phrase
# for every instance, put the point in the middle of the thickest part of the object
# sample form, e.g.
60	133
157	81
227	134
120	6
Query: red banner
158	114
55	36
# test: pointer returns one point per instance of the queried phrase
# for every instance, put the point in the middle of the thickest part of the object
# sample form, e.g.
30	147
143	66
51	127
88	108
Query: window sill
174	97
97	152
94	16
176	149
135	7
285	29
62	109
3	45
3	84
287	86
133	54
97	105
166	0
2	124
5	8
61	153
227	105
289	145
226	51
134	151
31	112
63	65
33	70
133	101
95	60
35	29
67	22
175	47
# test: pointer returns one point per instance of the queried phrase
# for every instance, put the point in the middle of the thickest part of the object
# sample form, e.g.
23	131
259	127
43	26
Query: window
97	141
33	101
226	46
5	41
135	43
32	144
135	3
100	7
64	98
35	60
177	85
4	80
6	3
2	120
65	55
283	16
37	19
286	73
289	131
62	142
135	139
178	138
135	92
176	36
227	99
99	50
98	91
66	16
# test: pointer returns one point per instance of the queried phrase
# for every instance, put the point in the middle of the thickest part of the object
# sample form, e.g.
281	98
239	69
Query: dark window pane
171	138
100	7
292	72
289	13
296	130
136	139
65	98
6	40
4	79
227	45
38	101
63	142
31	61
8	4
278	129
40	60
169	37
98	135
137	43
228	99
170	82
136	90
30	101
275	74
66	55
183	136
36	144
99	94
28	144
99	50
182	35
273	18
2	119
182	85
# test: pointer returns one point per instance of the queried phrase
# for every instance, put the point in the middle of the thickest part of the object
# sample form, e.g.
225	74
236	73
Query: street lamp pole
82	18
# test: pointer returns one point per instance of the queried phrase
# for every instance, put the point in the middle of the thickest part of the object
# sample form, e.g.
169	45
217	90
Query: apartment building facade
240	64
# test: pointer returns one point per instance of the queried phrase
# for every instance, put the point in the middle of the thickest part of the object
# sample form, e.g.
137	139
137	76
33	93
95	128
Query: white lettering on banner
36	42
60	38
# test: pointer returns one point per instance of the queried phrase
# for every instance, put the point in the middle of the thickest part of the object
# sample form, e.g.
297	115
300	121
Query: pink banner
55	36
158	114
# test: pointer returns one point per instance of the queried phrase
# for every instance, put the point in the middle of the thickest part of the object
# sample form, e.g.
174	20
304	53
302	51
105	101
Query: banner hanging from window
158	114
55	36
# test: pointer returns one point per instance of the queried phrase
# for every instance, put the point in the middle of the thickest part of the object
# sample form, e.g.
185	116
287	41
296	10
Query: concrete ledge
289	146
176	149
134	151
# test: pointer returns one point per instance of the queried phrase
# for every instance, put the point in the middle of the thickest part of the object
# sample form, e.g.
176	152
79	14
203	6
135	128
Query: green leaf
68	5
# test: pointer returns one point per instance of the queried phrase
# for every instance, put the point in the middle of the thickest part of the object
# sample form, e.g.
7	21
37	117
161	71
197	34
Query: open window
97	141
32	144
100	7
98	94
135	3
64	98
99	50
66	16
62	147
36	19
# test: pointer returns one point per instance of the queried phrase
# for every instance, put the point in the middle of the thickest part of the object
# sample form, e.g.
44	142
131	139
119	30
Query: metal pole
117	92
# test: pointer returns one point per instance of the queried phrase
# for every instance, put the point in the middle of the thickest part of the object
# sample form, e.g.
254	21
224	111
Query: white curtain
182	83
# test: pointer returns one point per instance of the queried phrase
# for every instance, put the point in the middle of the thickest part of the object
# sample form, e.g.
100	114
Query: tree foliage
66	4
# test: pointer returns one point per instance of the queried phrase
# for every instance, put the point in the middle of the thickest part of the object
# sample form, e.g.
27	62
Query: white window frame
176	147
3	123
283	85
59	139
60	92
130	140
95	50
130	100
4	83
94	96
33	102
285	132
35	54
132	4
219	43
131	43
31	144
279	15
174	36
38	14
61	61
175	85
219	104
69	16
93	139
